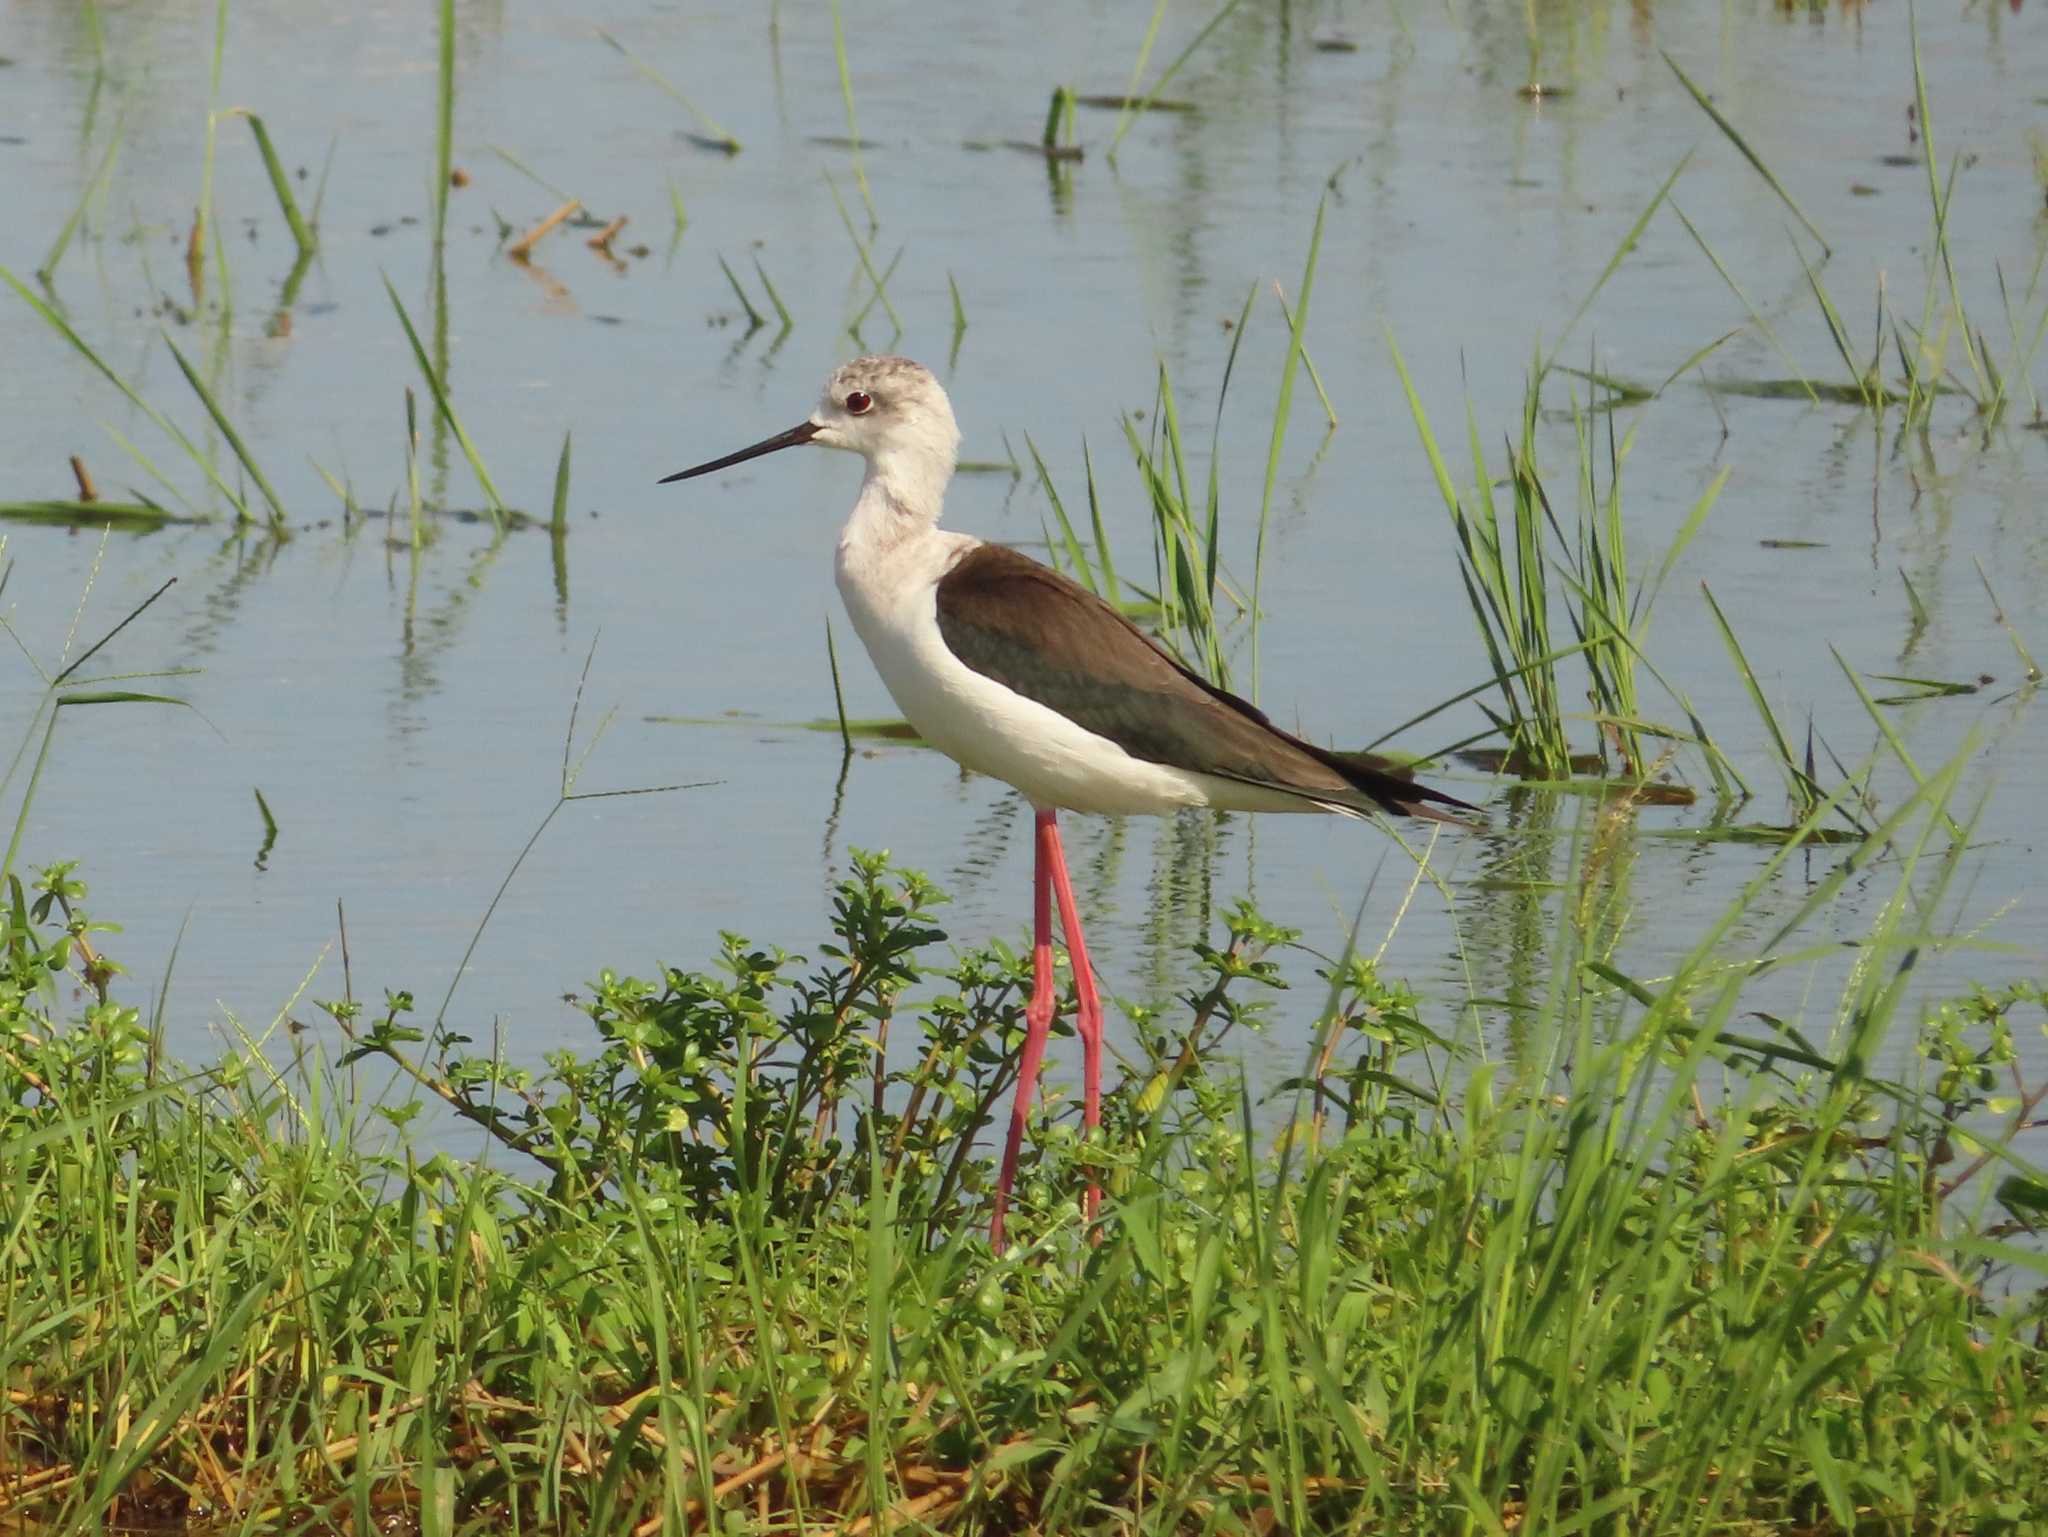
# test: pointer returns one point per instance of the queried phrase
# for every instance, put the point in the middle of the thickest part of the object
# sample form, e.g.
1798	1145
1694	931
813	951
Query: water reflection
1141	934
1186	849
1509	907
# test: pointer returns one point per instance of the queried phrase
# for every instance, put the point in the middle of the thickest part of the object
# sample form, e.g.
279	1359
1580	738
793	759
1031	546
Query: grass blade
1680	540
1735	288
959	323
1307	362
94	184
1084	572
867	260
1130	115
447	409
1890	734
755	319
1804	791
1864	381
234	439
1628	244
559	519
281	185
1742	144
444	118
163	423
860	175
1110	590
714	136
838	693
774	298
1940	197
1998	613
1130	102
1281	411
124	515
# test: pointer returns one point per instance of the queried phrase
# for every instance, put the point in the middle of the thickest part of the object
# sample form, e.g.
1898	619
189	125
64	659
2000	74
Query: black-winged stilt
1018	673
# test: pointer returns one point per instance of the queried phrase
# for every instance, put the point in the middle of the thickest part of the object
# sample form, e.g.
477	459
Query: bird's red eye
859	402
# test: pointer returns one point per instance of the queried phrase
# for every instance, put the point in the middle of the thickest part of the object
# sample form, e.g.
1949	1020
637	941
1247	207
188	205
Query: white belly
993	730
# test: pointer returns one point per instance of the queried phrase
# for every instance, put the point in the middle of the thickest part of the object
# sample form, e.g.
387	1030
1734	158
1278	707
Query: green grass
1920	350
710	134
93	191
1059	120
755	319
1668	1269
141	516
1193	602
1544	592
781	310
281	187
1297	321
278	524
1138	103
853	139
1742	145
444	116
234	497
445	407
1187	550
205	224
879	281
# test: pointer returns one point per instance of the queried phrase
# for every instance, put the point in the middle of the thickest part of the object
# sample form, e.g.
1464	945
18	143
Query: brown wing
1030	629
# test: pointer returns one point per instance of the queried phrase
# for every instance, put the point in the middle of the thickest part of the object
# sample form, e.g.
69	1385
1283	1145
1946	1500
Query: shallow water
404	717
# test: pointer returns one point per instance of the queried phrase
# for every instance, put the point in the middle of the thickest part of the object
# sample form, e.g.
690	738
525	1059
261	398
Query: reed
1528	579
444	117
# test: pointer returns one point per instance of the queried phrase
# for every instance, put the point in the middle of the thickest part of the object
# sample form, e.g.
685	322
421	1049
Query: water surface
404	715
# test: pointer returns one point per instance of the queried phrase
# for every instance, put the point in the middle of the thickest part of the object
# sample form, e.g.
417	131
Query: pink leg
1089	1020
1037	1015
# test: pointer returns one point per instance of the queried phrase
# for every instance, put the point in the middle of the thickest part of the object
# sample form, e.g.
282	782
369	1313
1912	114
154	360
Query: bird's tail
1393	788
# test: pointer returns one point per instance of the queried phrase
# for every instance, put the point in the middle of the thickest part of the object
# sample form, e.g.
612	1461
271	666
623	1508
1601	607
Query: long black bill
802	432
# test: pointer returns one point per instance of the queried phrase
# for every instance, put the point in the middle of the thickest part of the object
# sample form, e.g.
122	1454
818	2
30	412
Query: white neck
901	497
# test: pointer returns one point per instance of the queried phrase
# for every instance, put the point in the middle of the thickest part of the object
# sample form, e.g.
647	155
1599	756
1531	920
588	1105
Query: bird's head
880	407
890	411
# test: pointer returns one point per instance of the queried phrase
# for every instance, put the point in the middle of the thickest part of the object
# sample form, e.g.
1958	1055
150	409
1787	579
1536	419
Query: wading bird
1017	673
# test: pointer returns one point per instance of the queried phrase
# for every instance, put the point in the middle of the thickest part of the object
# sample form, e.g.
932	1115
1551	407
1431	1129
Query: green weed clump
724	1269
1529	578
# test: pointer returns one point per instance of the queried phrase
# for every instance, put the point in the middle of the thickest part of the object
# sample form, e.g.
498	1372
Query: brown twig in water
602	240
79	473
522	248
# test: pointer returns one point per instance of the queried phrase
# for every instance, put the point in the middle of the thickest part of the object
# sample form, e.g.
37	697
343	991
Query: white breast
890	590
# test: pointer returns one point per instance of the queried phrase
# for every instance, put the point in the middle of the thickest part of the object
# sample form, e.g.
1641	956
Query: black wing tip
1425	810
1393	787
